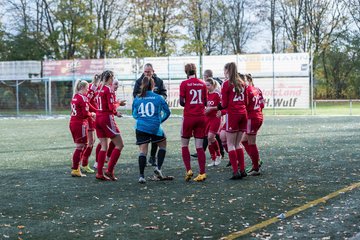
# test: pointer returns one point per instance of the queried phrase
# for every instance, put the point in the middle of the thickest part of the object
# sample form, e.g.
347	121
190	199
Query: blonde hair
79	85
213	83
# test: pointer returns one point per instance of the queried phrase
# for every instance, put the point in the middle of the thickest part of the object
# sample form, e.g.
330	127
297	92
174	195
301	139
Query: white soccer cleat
217	161
211	164
158	173
142	180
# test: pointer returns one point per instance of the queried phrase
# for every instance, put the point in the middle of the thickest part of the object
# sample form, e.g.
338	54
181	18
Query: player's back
105	100
147	112
194	92
234	102
255	102
79	108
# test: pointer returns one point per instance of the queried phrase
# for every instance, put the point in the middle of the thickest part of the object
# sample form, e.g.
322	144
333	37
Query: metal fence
34	87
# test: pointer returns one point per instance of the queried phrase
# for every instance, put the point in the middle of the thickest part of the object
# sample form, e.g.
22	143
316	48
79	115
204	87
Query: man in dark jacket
159	89
159	84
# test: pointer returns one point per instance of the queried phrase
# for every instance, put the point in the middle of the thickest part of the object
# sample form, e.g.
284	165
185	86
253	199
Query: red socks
85	156
185	153
113	159
246	146
101	161
201	159
212	152
254	155
233	160
110	149
98	148
241	159
76	158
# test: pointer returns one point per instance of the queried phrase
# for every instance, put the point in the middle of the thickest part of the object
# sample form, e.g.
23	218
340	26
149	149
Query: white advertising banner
289	92
123	68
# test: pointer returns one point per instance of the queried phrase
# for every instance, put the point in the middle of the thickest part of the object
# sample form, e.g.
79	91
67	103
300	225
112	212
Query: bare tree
110	21
353	7
238	22
154	25
291	14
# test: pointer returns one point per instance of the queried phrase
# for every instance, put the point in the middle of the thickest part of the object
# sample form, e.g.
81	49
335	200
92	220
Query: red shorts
236	122
79	131
253	125
91	124
213	125
106	126
193	126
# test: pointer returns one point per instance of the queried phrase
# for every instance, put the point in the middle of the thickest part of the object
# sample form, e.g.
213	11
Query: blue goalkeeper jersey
150	111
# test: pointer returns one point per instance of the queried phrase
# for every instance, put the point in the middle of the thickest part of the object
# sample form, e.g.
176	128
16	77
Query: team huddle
226	117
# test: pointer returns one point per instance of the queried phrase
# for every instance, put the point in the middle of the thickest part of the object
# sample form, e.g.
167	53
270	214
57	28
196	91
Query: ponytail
147	84
96	79
79	85
249	79
234	77
106	75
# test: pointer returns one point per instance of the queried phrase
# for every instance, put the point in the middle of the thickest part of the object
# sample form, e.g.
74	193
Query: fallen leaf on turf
151	227
20	227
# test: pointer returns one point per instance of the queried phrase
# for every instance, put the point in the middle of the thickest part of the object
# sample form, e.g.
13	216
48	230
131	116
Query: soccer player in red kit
193	97
114	87
212	121
93	86
233	99
79	124
254	122
106	127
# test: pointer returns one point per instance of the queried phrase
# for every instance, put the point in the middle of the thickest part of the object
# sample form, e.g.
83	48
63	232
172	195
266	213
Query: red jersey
105	101
194	92
234	103
255	102
213	100
79	108
91	96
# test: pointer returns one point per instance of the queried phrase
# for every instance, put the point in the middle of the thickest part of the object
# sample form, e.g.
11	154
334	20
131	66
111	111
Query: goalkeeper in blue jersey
150	110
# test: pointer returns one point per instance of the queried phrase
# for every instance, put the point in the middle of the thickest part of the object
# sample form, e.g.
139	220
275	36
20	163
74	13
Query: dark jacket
159	86
218	80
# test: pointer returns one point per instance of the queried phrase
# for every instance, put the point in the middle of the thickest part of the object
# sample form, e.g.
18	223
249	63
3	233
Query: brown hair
106	75
96	79
234	77
147	84
79	85
249	79
190	69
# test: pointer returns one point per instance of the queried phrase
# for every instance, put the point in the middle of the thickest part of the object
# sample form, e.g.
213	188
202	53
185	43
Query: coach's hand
122	102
